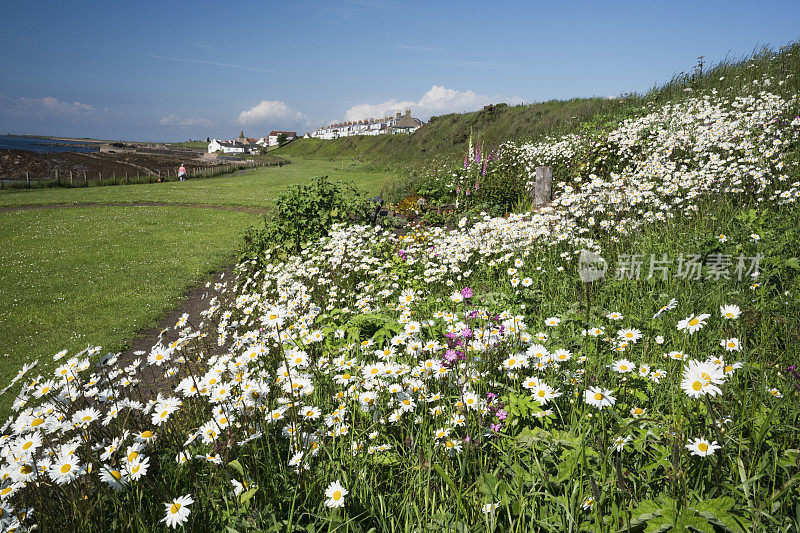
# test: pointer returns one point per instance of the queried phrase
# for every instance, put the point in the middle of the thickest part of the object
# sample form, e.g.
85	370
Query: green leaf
447	478
245	496
236	465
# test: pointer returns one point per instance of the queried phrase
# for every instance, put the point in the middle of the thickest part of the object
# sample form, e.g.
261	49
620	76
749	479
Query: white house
372	126
226	147
273	136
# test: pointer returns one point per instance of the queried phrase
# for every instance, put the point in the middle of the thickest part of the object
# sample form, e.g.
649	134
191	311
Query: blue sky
176	70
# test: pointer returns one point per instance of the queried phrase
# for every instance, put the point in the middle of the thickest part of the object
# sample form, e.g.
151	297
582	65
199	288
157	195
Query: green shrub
305	213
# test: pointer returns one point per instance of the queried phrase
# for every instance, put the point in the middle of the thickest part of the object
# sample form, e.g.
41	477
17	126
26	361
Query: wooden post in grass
28	179
114	177
99	178
126	178
85	179
57	180
71	183
543	189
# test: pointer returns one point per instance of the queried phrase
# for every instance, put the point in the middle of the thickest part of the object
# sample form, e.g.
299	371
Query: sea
42	145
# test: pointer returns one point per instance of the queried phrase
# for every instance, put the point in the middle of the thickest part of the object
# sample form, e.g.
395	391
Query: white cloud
50	106
274	114
437	101
173	120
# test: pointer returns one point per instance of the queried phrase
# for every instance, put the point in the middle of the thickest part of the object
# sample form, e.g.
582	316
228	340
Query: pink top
182	169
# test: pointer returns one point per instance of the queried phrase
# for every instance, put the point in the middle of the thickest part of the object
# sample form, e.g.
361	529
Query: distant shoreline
52	138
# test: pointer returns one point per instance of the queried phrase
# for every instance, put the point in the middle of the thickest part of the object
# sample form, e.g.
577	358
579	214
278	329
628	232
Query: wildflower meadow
460	374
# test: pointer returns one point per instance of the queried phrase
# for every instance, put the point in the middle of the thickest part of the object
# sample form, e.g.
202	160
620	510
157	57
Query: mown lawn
252	188
96	275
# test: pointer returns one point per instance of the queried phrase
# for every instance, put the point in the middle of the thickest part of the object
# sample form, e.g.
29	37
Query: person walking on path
182	173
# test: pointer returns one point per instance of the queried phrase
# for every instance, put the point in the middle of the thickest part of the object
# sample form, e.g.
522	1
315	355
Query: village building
373	126
273	136
227	147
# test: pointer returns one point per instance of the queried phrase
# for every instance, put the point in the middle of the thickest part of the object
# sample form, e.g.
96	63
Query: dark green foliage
305	213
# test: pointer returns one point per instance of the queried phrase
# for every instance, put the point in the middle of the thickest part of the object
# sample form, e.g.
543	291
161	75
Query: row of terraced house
372	126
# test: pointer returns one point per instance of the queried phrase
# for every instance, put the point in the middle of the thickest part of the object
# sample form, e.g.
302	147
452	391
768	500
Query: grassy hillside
448	135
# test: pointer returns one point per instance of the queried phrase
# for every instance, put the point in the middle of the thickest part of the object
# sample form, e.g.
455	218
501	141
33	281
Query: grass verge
96	275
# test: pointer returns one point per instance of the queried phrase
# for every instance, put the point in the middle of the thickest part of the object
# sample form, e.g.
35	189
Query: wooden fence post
71	183
85	179
543	189
127	181
100	178
58	181
28	179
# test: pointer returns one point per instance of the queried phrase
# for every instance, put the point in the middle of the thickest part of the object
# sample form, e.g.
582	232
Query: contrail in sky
168	58
183	59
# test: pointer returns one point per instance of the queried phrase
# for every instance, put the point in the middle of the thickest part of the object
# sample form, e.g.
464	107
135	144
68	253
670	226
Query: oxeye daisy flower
552	321
137	468
335	494
701	378
65	468
113	478
620	442
673	303
638	411
693	323
598	397
543	393
731	345
623	366
730	312
615	315
177	511
676	355
702	447
629	335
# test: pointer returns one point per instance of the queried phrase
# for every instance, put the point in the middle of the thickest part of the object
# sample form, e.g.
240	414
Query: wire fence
71	178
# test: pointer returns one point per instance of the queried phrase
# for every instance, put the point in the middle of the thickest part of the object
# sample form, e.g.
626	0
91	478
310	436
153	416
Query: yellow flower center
694	322
164	414
135	468
133	455
36	422
598	396
541	394
147	434
337	495
116	474
66	468
5	491
27	445
697	385
223	420
175	508
511	362
26	469
702	447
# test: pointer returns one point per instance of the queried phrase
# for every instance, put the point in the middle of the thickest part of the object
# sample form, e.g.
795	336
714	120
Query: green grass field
96	275
252	188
